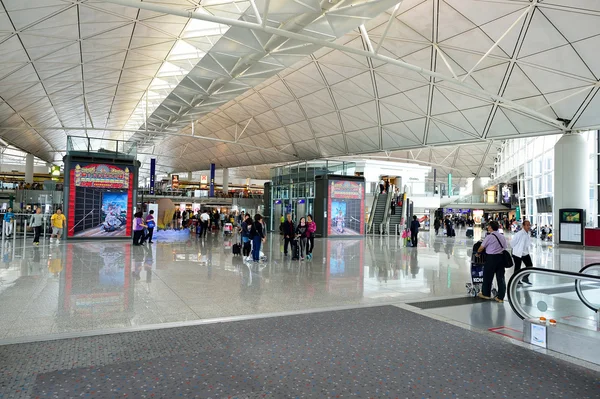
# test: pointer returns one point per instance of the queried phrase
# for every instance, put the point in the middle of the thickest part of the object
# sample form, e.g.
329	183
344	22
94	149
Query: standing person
381	186
222	217
288	233
520	249
216	219
493	244
436	225
387	185
138	229
245	233
179	218
205	219
58	222
414	230
393	206
258	236
301	232
36	221
151	224
312	228
8	226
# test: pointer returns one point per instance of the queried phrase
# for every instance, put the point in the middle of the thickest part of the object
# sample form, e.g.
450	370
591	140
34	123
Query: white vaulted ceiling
489	70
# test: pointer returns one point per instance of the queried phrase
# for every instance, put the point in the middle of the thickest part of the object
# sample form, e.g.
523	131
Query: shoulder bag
508	259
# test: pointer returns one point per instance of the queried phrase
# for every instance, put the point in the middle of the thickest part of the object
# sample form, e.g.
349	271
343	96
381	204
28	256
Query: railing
372	214
546	296
470	199
591	269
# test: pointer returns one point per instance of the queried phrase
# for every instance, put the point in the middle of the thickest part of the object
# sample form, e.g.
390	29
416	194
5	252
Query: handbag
150	224
508	259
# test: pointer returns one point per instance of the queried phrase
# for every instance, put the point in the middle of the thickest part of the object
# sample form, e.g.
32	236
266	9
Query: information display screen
100	201
345	208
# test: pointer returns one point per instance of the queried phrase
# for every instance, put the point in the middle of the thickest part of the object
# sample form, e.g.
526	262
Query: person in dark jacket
301	234
414	231
258	237
437	225
245	233
288	233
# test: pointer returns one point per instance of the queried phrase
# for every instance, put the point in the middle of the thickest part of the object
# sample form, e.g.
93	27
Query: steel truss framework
277	81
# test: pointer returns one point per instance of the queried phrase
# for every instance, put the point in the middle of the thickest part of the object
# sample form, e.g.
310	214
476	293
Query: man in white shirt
520	249
204	219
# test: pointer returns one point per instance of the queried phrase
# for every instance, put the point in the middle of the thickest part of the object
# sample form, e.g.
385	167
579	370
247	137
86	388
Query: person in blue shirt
8	222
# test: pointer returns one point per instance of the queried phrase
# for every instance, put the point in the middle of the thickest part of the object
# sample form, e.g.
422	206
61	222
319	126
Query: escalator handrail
579	291
517	277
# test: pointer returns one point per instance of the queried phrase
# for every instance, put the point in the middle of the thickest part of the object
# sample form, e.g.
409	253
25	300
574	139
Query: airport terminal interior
299	199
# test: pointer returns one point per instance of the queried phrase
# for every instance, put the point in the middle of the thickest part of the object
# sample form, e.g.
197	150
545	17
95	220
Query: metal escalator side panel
579	290
517	277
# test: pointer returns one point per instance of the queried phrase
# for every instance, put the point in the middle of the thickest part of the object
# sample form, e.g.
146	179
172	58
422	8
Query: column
189	177
478	188
211	191
571	176
225	180
29	168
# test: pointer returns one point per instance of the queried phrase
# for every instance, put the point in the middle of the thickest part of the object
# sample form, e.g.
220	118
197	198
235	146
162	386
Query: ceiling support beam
497	42
387	27
347	49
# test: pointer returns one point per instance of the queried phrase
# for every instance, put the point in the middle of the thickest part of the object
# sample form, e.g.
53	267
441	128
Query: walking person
288	229
151	224
493	244
436	225
245	228
414	231
205	220
138	229
301	231
258	236
58	222
36	221
520	249
312	228
8	222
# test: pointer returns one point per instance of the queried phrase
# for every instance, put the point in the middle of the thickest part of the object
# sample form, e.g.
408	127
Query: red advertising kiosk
100	188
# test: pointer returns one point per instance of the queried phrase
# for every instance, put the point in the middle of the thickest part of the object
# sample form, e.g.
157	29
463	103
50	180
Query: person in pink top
310	235
493	245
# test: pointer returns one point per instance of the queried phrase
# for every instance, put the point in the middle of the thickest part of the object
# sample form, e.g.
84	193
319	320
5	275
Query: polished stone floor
76	288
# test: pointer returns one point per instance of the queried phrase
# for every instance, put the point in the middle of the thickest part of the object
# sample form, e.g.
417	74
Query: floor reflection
89	286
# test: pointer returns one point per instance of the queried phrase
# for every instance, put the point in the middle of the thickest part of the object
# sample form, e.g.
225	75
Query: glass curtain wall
532	160
293	186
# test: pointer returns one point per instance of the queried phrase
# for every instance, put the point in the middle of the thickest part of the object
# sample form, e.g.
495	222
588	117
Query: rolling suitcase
470	232
295	250
236	249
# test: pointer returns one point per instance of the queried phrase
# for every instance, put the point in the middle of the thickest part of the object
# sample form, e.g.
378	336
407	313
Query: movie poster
345	208
100	201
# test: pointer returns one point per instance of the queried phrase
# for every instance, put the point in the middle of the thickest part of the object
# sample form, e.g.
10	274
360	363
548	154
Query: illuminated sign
101	176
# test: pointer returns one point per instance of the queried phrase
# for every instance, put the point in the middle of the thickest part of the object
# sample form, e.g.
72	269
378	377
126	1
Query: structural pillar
29	168
225	180
571	177
477	187
211	191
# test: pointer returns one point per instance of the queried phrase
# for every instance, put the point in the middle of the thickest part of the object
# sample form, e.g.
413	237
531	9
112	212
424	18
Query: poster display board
100	200
571	226
346	207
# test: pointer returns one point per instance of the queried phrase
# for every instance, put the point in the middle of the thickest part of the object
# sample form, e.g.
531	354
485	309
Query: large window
535	158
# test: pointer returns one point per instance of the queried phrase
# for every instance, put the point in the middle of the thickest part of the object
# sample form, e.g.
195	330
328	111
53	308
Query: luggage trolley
474	287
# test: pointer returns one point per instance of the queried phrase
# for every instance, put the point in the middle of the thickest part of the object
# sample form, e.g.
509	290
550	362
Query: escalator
394	220
560	310
568	297
378	214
